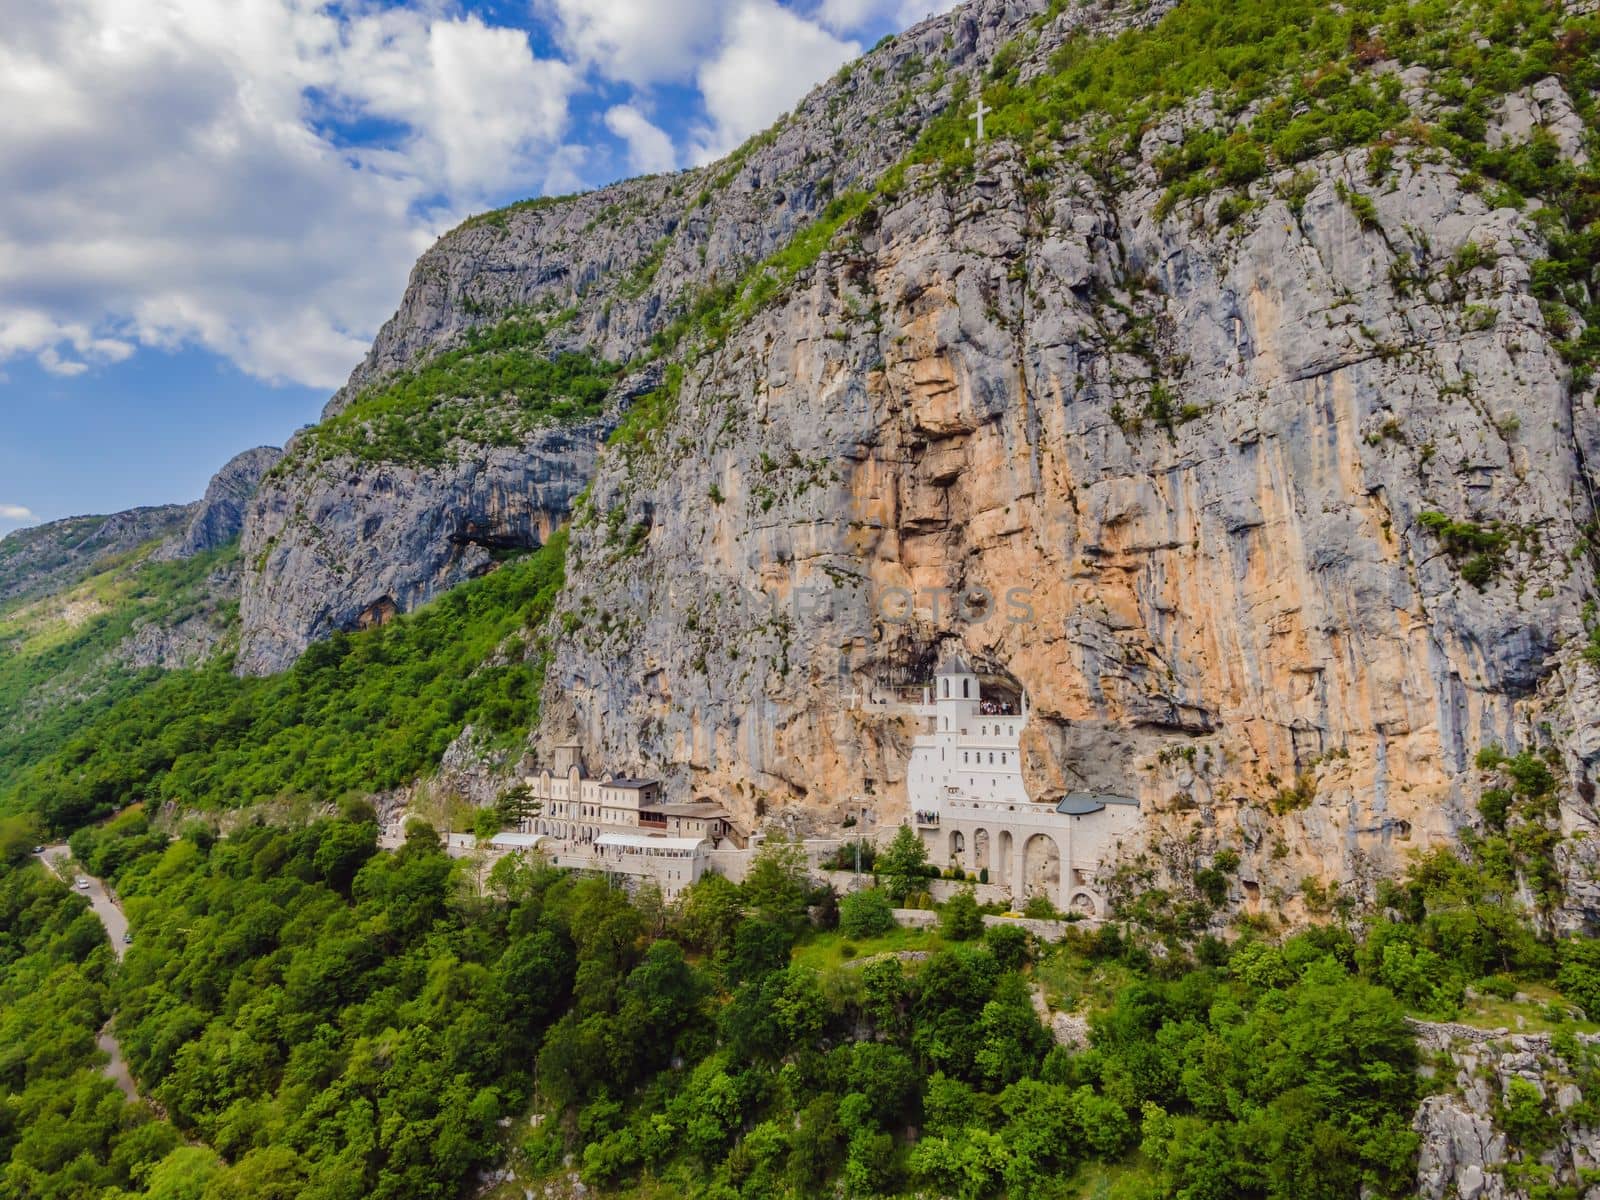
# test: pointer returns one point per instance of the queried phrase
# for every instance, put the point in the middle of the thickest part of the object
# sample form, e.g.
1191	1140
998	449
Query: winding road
116	923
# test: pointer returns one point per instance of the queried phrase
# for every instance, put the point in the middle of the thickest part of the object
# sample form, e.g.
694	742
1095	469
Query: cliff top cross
979	116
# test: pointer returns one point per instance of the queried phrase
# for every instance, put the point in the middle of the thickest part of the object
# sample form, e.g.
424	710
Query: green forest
315	1017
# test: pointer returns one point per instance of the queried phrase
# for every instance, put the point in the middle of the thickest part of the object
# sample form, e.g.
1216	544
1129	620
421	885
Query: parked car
128	937
82	885
38	849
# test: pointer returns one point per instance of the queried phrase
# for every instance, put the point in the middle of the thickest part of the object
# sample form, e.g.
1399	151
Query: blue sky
211	205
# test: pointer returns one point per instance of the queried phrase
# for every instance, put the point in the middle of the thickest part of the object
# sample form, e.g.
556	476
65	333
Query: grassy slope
491	390
57	666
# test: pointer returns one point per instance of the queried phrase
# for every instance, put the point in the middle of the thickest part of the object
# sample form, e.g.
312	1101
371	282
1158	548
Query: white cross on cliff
978	116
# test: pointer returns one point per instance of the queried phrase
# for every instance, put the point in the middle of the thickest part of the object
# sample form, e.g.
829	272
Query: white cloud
16	512
771	58
848	16
257	177
650	150
176	173
909	12
640	42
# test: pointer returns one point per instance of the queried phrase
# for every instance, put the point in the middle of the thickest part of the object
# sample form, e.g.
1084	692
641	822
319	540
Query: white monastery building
967	799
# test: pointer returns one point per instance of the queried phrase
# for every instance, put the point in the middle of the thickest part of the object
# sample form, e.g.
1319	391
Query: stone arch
958	845
1083	902
980	850
1041	867
1002	858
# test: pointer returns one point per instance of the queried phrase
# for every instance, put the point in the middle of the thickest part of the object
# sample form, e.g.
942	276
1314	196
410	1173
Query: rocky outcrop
1270	501
190	633
626	257
1514	1111
49	558
351	544
1193	466
219	517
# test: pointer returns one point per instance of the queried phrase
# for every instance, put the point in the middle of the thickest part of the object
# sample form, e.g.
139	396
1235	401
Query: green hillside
358	713
59	670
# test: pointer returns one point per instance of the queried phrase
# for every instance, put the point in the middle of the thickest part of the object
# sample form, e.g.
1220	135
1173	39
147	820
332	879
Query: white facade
967	753
968	802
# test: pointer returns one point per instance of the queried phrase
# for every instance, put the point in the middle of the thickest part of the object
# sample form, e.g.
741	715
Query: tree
778	883
759	948
961	920
866	913
1579	979
18	835
516	805
904	865
709	912
183	1174
1011	1040
341	849
1008	943
486	822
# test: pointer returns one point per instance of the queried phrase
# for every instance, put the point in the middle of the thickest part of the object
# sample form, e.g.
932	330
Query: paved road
117	1069
55	857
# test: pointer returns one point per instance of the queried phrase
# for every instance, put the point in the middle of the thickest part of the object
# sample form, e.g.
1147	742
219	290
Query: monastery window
947	689
991	758
965	694
963	756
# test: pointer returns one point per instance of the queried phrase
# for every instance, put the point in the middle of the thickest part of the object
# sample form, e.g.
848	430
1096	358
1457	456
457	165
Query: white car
82	885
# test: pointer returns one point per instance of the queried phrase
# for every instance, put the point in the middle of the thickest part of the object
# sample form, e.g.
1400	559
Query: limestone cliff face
625	254
348	545
622	263
1199	467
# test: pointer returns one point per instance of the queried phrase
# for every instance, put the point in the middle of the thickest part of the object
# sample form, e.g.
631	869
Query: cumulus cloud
650	150
16	512
256	177
770	58
641	42
196	172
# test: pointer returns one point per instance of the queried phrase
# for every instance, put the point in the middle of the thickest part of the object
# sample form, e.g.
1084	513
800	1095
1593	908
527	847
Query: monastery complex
964	795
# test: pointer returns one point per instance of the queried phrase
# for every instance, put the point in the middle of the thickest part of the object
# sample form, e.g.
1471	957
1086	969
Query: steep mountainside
1293	465
1234	400
46	558
92	607
1255	393
351	528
